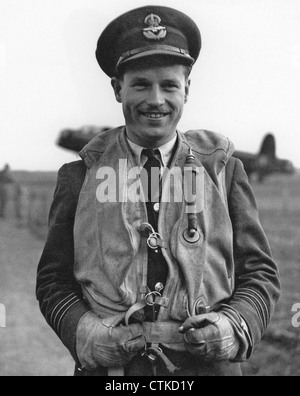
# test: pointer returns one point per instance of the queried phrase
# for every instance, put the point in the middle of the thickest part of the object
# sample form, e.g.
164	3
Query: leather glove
217	336
106	343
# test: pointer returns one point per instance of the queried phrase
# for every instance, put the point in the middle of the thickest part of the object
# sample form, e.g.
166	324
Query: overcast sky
246	82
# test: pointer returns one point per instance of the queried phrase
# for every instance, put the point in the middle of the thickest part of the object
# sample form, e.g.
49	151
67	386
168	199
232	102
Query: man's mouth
154	115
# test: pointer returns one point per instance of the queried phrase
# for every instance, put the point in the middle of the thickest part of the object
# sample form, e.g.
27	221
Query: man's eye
140	85
171	86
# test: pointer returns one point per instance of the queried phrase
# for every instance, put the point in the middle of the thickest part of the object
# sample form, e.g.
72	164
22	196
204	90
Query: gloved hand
100	343
216	337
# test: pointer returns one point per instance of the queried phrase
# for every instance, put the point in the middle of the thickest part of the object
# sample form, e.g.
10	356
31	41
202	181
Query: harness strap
162	333
154	352
155	333
135	308
162	301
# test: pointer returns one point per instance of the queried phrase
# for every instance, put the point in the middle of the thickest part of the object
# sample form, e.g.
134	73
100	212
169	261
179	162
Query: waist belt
162	333
155	333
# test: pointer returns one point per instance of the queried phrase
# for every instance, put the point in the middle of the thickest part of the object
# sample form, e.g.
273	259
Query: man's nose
155	97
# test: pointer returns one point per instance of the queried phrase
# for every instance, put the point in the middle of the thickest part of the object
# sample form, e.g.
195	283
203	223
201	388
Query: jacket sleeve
59	295
257	287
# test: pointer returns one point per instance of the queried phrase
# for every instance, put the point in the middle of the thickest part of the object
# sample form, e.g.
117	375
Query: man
5	179
155	262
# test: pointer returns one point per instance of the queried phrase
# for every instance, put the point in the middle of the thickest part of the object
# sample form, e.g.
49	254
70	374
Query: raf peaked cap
148	31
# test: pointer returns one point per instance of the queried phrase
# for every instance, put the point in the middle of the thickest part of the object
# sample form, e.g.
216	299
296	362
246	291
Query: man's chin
150	135
154	134
156	128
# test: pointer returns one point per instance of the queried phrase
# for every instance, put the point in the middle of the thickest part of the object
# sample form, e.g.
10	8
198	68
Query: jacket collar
165	152
212	150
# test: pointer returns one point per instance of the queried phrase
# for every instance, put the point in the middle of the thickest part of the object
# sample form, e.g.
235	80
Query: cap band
160	47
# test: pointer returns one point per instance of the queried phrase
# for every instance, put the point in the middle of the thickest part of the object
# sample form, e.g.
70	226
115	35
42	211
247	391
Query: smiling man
156	285
153	96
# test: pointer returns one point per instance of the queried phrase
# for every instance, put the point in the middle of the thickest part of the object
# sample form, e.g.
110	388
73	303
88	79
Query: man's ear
187	90
117	87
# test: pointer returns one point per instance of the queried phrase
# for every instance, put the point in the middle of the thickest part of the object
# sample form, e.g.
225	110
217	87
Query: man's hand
99	344
210	337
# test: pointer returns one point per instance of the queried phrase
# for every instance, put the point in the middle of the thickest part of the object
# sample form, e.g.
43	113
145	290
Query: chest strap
151	299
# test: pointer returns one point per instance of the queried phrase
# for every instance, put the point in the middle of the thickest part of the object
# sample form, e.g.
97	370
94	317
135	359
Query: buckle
150	298
152	353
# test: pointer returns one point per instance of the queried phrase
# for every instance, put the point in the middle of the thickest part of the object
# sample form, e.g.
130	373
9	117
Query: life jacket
110	244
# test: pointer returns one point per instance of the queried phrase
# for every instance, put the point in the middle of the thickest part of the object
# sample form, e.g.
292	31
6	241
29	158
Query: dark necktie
157	267
152	167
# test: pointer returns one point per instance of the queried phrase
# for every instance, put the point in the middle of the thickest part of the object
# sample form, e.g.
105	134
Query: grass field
29	347
279	202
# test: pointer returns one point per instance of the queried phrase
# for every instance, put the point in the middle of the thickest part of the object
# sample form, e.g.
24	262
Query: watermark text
296	317
2	316
132	185
134	387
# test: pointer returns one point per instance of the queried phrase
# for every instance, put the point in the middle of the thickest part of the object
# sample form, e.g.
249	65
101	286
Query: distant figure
5	179
21	204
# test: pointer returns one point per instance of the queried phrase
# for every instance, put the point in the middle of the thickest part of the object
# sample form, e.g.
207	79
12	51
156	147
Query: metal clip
153	240
159	287
151	295
153	353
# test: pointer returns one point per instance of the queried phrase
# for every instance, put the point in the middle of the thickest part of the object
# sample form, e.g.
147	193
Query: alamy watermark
296	317
2	316
132	185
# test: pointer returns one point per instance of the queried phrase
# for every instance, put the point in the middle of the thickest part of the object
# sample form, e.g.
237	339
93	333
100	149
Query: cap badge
154	31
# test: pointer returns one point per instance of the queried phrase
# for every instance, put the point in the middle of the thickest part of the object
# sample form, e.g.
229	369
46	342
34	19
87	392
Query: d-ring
152	241
151	294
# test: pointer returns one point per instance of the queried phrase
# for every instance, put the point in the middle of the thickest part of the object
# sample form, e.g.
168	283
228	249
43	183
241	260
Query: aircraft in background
257	165
76	139
265	162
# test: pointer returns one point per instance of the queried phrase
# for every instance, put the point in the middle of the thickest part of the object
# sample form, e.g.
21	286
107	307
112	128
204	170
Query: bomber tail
268	147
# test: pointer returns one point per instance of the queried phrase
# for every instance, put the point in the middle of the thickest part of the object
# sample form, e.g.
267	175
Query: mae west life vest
111	250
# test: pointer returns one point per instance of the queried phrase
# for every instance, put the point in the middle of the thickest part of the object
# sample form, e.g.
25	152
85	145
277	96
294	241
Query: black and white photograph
149	190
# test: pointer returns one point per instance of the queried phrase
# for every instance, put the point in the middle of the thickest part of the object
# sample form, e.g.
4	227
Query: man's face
153	100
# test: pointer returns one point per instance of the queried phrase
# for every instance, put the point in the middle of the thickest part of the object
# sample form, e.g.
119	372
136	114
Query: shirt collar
166	151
